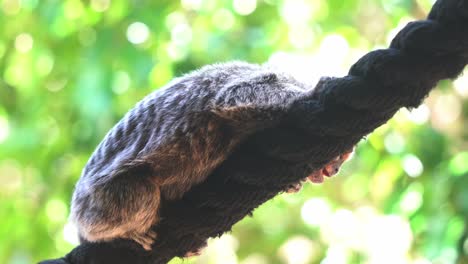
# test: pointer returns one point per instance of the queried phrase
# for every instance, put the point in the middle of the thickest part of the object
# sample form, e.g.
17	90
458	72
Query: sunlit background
70	69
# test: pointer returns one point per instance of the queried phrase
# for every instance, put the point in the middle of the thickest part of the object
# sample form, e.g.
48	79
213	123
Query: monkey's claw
146	240
294	188
196	252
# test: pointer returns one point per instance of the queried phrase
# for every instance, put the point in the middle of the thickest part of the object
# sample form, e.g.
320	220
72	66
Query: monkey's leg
124	206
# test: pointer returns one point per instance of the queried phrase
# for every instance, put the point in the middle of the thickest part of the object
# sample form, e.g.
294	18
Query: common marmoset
172	140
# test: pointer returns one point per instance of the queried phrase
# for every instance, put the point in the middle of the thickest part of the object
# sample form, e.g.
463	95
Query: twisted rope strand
332	119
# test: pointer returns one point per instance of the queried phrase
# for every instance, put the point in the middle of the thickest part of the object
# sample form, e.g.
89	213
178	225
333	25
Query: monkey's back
172	140
175	131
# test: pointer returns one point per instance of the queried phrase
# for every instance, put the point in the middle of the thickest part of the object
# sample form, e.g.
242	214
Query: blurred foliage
70	69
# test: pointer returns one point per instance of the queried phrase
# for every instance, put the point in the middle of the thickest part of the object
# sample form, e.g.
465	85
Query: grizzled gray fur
172	140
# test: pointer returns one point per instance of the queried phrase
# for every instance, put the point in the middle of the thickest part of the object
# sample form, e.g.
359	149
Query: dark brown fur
171	141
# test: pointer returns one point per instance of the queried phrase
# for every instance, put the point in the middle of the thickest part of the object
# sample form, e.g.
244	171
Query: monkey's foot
144	239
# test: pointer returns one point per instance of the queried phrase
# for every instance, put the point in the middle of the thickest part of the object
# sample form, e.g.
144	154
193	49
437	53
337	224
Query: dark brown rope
339	114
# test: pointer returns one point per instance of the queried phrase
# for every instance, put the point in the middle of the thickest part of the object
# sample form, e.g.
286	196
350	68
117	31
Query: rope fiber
339	113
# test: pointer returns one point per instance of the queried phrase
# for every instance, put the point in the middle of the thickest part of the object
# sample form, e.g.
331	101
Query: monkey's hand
330	169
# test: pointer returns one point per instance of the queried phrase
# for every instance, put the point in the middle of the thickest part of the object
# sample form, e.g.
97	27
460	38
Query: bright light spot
176	52
100	5
422	261
447	109
394	143
121	82
255	259
24	42
448	255
336	254
461	85
11	7
412	165
222	250
297	250
174	19
316	211
70	234
419	115
4	129
364	213
459	164
334	44
332	53
137	33
304	67
192	4
14	75
87	36
296	12
223	19
73	9
342	229
181	34
301	36
343	226
44	64
56	210
245	7
388	239
411	201
377	237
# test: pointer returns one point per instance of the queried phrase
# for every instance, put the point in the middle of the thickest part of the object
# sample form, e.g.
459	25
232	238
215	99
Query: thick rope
339	113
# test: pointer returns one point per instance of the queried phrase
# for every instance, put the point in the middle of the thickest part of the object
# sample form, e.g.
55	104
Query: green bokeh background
70	69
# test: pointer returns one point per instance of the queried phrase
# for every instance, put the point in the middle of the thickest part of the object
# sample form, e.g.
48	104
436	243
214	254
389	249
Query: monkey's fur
172	140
